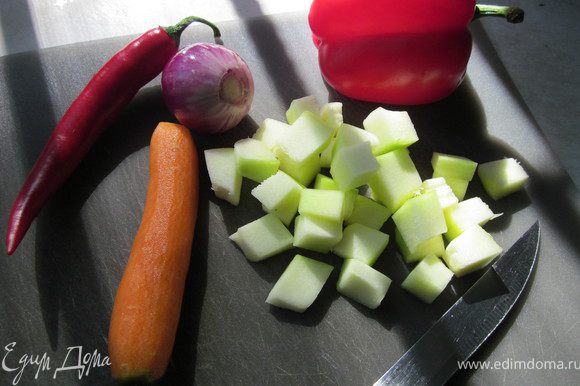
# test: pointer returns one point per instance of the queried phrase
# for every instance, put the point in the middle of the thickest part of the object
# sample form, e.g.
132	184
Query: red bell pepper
106	94
401	52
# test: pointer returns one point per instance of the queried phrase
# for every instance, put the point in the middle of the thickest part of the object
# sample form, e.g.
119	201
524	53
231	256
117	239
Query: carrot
148	301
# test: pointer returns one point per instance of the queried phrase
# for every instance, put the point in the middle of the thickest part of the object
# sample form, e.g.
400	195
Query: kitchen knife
470	321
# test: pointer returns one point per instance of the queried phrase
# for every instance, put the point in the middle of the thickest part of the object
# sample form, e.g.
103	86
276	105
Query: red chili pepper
401	52
106	94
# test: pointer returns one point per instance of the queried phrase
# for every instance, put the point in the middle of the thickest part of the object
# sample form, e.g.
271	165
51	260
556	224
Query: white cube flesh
433	246
316	234
326	155
471	250
368	212
348	135
285	214
305	138
299	106
276	190
303	172
263	238
458	186
446	165
323	182
502	177
465	214
394	129
419	219
255	160
224	175
300	284
428	279
362	243
362	283
279	194
331	115
271	132
444	192
326	204
353	166
396	179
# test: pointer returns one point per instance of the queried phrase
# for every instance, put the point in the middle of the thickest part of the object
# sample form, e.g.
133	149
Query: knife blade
470	321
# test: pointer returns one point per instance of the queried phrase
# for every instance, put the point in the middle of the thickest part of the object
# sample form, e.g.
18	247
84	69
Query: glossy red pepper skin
99	103
393	52
402	70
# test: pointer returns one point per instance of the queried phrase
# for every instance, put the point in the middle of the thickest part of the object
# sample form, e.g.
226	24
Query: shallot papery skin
209	88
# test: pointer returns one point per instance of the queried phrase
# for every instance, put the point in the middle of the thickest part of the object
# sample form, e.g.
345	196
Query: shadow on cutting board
266	37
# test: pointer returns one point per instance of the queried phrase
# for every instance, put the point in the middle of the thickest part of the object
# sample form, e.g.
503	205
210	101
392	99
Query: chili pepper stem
175	30
511	14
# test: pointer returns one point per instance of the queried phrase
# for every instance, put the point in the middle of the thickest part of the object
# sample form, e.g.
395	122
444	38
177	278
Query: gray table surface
57	290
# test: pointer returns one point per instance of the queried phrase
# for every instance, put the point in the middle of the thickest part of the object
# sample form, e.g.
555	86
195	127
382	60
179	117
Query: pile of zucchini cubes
372	179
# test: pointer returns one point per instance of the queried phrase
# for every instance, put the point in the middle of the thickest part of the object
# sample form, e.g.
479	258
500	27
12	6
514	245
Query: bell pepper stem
175	30
511	14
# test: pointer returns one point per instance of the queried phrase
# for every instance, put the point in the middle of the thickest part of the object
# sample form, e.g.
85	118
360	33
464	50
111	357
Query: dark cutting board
58	288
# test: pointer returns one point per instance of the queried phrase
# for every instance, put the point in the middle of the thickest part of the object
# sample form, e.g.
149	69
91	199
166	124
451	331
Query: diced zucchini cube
353	166
326	204
300	284
349	199
444	192
299	106
323	182
432	246
396	180
285	214
348	135
428	279
316	234
271	132
471	250
368	212
326	155
502	177
276	190
393	128
263	238
458	186
465	214
419	219
445	165
225	177
307	137
362	243
279	194
362	283
331	115
255	160
372	195
303	172
433	184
